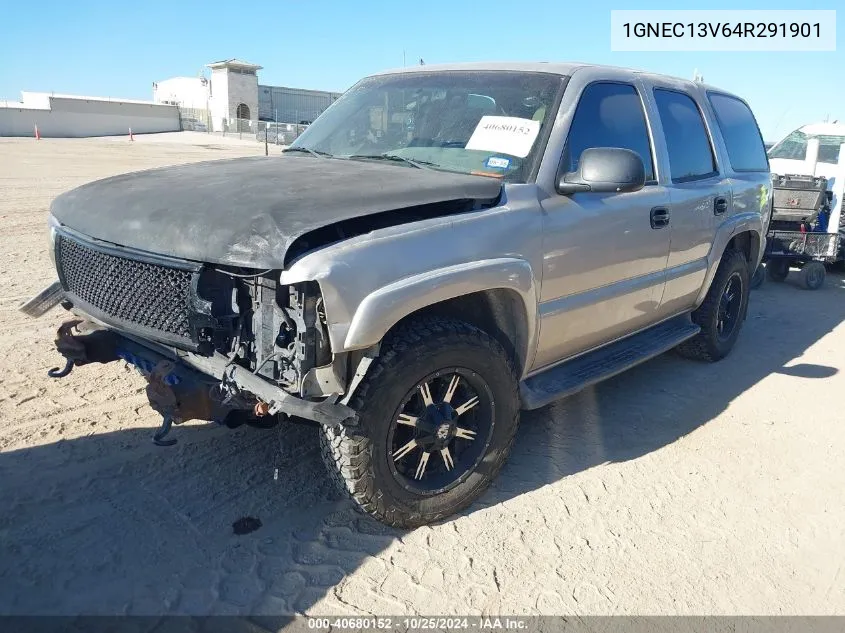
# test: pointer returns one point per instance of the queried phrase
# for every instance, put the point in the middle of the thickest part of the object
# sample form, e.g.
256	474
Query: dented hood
248	211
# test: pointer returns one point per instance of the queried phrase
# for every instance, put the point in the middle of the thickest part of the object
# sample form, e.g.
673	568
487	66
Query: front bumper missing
181	385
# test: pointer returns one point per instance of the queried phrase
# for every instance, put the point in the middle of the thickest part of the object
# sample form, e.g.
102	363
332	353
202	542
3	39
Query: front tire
438	414
758	278
722	313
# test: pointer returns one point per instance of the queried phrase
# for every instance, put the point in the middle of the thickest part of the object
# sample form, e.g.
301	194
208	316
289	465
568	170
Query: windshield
794	147
485	123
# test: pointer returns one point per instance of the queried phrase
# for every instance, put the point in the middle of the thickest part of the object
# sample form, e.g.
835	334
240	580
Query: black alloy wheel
441	430
730	307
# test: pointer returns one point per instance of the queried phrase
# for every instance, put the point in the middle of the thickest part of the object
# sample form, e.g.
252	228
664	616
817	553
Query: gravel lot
676	488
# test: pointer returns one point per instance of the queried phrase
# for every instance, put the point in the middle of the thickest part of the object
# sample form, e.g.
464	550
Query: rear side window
690	152
794	147
609	115
743	140
829	148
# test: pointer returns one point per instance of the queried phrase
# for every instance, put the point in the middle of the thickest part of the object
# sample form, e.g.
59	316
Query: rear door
699	188
746	154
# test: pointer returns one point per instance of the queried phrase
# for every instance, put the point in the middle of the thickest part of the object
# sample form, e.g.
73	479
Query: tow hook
164	429
61	373
163	399
69	347
179	398
82	342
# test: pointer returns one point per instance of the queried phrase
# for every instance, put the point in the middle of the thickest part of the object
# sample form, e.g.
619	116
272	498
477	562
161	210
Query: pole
266	134
835	219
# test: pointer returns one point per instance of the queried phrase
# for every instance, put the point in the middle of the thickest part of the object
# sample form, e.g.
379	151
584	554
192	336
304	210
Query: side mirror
605	170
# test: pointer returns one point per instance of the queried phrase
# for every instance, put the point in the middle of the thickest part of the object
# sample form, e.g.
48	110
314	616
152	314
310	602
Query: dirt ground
676	488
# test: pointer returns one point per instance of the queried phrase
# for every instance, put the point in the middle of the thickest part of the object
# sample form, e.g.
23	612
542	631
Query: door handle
720	205
659	217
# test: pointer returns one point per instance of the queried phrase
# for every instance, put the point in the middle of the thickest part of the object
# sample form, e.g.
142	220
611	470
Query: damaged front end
226	345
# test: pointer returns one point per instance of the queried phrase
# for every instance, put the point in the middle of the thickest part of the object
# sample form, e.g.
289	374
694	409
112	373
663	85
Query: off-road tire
777	270
758	278
707	345
356	457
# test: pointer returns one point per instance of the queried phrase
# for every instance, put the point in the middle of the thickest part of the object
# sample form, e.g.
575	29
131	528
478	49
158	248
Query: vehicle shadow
110	524
666	398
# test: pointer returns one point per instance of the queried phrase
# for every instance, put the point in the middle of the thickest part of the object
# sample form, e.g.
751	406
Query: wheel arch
747	243
743	232
498	296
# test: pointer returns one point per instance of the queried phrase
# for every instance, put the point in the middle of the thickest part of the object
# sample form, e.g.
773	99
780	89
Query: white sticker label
497	162
504	134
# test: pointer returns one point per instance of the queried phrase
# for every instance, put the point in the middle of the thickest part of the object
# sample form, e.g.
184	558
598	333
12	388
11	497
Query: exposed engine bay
214	343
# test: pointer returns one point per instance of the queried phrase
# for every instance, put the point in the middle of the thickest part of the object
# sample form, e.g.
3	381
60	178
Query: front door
604	254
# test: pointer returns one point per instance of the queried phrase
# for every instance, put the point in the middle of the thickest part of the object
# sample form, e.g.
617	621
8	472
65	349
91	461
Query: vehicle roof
824	129
557	68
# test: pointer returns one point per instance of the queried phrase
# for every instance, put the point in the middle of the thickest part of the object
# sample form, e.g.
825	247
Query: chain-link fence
276	133
195	120
242	128
279	133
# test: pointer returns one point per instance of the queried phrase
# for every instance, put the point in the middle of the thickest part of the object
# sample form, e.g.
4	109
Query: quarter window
793	147
609	115
743	140
829	148
690	152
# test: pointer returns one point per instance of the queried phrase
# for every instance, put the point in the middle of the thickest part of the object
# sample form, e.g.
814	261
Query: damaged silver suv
442	248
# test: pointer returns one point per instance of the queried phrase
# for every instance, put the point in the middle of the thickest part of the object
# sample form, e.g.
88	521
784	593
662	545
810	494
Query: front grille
128	292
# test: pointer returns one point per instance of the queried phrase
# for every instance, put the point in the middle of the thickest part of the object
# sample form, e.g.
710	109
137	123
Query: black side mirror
606	170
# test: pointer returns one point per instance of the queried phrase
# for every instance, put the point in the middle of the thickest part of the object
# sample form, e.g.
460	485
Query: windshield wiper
419	164
313	152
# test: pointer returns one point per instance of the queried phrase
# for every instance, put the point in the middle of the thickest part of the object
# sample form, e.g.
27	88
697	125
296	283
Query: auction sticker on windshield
505	135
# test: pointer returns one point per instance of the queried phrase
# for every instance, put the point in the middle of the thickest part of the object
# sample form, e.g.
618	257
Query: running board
574	375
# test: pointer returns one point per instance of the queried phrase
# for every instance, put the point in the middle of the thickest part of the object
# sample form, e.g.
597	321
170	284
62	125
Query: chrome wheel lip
483	438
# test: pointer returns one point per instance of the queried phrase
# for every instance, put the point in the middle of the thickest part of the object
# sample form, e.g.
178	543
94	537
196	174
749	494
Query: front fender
370	281
739	223
385	307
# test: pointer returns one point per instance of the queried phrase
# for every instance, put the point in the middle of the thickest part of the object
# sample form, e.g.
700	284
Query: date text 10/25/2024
418	623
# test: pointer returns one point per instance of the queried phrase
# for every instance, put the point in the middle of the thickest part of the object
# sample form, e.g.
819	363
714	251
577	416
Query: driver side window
609	115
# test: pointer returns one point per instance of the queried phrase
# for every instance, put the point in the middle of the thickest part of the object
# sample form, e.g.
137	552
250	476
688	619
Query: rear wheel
812	275
438	414
723	311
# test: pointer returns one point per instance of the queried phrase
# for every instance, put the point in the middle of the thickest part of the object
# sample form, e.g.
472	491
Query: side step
574	375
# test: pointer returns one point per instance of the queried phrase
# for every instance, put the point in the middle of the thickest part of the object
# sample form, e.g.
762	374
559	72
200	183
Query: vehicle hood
248	211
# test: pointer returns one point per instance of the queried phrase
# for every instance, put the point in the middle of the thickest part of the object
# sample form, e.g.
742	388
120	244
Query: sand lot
676	488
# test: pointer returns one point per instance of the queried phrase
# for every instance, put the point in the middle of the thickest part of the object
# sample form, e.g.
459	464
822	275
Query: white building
234	93
232	99
187	92
61	115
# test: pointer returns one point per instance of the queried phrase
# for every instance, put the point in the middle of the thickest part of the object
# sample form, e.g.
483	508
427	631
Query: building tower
234	95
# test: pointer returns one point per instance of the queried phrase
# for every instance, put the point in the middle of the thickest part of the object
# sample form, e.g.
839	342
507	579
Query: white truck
808	171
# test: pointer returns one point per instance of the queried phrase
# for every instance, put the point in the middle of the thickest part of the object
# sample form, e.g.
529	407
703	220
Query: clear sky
113	48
